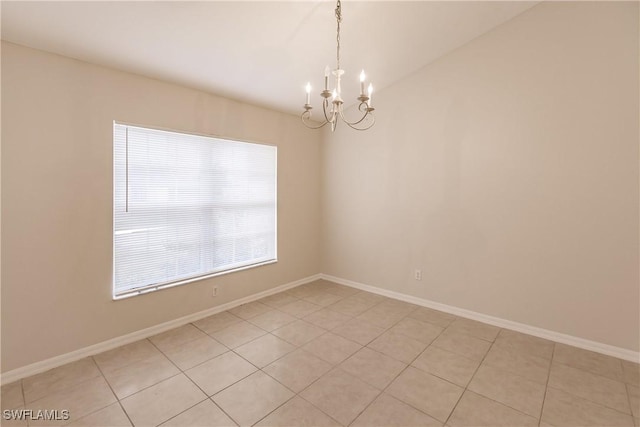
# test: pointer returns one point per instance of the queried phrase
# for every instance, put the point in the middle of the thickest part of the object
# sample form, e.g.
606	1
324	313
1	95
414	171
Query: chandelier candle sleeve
332	101
327	71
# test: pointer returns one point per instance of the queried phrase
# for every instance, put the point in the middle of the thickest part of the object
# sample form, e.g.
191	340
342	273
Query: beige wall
508	172
57	117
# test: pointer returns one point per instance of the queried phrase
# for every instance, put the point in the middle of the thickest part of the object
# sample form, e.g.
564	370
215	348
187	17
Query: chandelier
333	109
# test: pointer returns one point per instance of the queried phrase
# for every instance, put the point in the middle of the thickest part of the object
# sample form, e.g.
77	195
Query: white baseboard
621	353
54	362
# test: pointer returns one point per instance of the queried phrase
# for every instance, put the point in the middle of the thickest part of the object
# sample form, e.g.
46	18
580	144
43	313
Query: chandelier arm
325	104
373	121
306	115
357	122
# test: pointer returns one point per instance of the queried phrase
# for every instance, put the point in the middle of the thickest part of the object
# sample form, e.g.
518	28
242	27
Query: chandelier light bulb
308	89
362	78
327	71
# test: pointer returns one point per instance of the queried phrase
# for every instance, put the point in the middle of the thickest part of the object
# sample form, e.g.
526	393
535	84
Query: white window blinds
188	206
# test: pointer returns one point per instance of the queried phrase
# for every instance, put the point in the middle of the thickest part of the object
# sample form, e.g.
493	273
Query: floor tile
177	336
474	410
512	390
264	350
340	395
326	319
446	365
299	413
194	352
529	366
332	348
298	369
359	331
58	379
278	300
320	284
425	392
369	298
564	409
322	298
475	329
300	308
388	411
204	414
18	419
216	374
125	355
634	399
398	346
216	322
396	306
80	399
305	346
272	320
300	291
111	416
238	334
132	378
595	363
252	398
163	401
340	290
595	388
299	332
631	373
421	331
435	317
380	317
351	306
372	367
524	344
462	344
12	395
249	310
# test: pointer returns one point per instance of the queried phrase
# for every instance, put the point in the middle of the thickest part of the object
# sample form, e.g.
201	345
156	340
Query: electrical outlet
417	274
214	291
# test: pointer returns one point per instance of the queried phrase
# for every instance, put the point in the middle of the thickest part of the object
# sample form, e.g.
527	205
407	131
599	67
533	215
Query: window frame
156	287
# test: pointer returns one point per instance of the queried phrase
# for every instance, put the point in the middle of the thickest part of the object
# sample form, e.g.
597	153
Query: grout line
207	397
112	391
471	379
404	369
546	386
300	347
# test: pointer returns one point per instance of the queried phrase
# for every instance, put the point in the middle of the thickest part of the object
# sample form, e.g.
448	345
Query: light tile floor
323	354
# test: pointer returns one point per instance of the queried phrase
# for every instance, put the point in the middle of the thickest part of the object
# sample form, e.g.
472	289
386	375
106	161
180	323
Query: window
188	207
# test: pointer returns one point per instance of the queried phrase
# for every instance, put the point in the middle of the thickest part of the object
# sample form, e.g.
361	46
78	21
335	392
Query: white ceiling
260	52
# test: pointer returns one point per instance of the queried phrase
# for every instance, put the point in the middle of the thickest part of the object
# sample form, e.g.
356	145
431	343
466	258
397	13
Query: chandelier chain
338	20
